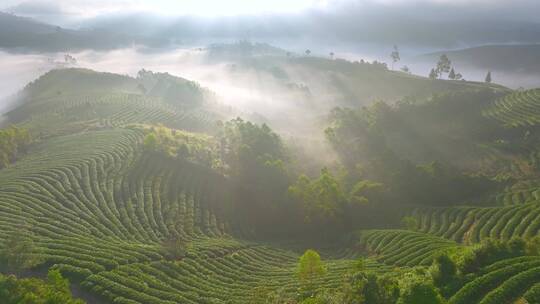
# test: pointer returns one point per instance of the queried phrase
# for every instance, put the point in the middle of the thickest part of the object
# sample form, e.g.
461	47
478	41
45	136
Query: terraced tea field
503	282
98	210
112	179
99	207
519	109
405	248
471	225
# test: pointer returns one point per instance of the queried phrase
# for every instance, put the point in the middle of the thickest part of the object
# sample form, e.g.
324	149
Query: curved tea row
473	224
404	248
517	109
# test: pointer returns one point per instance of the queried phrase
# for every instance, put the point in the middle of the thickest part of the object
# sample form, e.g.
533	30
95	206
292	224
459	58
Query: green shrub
489	252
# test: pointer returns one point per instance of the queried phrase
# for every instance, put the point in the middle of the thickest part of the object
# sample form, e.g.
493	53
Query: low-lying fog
471	73
19	69
248	91
245	92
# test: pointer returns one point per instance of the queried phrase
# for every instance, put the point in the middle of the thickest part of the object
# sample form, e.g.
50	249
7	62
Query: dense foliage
197	148
256	158
54	290
398	147
327	202
13	143
19	252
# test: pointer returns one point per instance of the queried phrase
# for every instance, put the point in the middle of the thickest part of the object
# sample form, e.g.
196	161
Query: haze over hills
284	152
25	34
114	142
345	40
503	58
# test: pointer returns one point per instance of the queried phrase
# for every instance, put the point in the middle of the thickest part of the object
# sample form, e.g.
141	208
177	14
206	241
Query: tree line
13	142
370	184
444	66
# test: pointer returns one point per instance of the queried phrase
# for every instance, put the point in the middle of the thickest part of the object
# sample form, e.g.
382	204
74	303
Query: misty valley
293	152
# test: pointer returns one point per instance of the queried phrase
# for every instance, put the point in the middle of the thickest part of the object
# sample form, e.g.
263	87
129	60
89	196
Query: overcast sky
514	9
420	23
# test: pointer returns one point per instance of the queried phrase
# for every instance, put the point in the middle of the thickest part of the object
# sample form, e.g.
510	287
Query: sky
427	24
92	8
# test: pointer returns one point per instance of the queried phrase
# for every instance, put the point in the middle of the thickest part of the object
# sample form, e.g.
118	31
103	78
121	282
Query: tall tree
443	66
433	74
488	77
310	267
308	52
395	56
452	74
322	198
419	291
19	252
13	141
332	55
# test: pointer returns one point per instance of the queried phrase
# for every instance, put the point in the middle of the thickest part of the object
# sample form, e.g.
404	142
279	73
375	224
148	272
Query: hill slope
20	33
134	222
505	58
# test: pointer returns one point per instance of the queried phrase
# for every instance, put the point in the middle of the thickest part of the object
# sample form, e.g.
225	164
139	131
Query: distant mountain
22	25
27	34
506	58
346	27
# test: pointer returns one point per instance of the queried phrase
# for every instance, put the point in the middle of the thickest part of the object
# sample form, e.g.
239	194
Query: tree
255	157
310	268
175	248
459	76
308	52
395	56
488	77
54	290
19	252
418	290
321	197
150	142
443	66
365	287
409	223
255	154
405	69
13	141
433	74
361	190
452	74
68	59
332	55
443	269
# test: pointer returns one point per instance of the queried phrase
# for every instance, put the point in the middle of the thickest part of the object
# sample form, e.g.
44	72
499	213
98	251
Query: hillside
25	34
519	58
98	205
313	80
143	190
269	152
